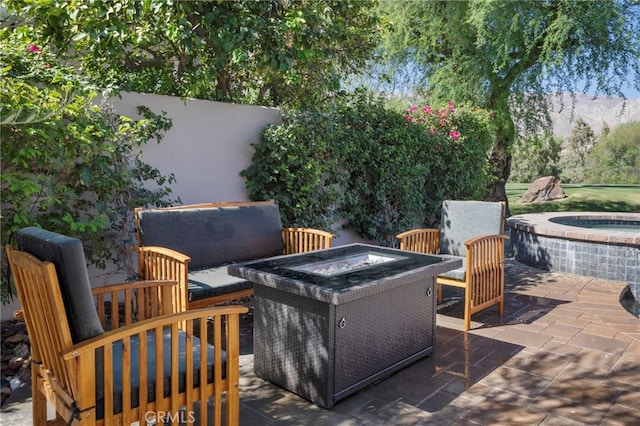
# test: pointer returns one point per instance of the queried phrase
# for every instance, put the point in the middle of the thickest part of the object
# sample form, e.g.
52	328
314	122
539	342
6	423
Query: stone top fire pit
319	316
341	273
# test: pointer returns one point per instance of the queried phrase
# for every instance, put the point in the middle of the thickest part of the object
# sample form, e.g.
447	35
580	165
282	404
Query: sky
631	93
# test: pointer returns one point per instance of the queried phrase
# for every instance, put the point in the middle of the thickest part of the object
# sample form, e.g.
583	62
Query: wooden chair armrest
161	263
108	338
132	285
485	251
300	240
164	251
480	239
421	240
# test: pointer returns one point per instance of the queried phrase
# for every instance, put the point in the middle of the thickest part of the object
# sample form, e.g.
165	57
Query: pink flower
408	117
434	131
413	108
455	135
443	121
437	148
35	49
451	106
427	110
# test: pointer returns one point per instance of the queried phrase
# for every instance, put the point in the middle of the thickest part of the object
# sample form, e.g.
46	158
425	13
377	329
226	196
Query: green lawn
597	198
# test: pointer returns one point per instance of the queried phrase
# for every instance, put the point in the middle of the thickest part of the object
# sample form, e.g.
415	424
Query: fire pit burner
345	264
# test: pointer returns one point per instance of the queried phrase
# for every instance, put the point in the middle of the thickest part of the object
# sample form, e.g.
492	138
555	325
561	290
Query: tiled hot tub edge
538	242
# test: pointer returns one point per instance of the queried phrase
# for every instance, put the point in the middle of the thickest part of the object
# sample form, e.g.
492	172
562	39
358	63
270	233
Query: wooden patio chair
302	240
473	232
150	364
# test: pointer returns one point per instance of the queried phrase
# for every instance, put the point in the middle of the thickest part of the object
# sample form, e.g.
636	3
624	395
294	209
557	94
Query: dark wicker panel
325	352
291	343
381	331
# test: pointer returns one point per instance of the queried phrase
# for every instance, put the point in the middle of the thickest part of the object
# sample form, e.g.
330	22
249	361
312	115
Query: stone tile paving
563	353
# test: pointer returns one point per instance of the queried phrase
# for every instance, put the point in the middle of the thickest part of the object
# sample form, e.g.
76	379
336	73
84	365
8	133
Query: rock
543	189
14	365
14	383
21	350
16	338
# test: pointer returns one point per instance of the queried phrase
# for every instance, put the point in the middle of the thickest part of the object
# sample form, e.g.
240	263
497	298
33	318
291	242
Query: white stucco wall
208	145
206	148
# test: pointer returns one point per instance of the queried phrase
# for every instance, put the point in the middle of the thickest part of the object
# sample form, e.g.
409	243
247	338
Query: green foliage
379	170
69	165
266	52
581	139
386	172
497	54
573	157
295	164
615	159
535	156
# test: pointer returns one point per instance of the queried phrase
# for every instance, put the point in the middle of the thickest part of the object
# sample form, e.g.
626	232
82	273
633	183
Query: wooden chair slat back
44	313
302	240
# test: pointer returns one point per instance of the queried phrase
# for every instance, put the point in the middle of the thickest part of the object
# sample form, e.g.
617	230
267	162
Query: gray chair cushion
463	220
458	273
210	282
215	236
67	255
151	369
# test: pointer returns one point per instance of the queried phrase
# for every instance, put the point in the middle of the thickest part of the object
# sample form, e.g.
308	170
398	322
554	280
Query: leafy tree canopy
615	158
497	54
268	52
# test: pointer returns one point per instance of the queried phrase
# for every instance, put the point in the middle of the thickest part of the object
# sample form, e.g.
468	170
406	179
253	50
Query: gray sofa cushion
463	220
67	255
215	236
210	282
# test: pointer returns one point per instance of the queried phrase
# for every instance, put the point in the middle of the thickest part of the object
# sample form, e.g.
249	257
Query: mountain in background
594	111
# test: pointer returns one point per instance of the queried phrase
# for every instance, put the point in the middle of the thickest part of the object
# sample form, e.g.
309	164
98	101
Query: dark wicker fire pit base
324	339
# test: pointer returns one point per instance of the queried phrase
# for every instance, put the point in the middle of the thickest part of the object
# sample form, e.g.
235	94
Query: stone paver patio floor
564	352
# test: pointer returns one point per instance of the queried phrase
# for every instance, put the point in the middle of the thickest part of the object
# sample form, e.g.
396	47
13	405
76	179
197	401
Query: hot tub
600	245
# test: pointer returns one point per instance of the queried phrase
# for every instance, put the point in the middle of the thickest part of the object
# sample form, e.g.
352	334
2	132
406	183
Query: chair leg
38	400
438	292
467	310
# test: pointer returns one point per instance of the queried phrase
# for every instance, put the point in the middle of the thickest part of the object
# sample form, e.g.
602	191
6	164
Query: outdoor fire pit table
328	323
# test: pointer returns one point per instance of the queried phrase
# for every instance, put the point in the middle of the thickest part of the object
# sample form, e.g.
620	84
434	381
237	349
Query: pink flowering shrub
437	121
376	170
68	164
460	138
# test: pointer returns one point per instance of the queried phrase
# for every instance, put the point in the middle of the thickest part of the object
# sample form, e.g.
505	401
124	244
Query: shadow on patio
564	352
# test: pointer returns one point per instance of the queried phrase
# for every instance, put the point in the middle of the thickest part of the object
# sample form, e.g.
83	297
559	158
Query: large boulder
543	189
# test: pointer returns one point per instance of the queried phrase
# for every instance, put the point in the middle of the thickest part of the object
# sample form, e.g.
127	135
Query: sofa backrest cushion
214	236
67	255
463	220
